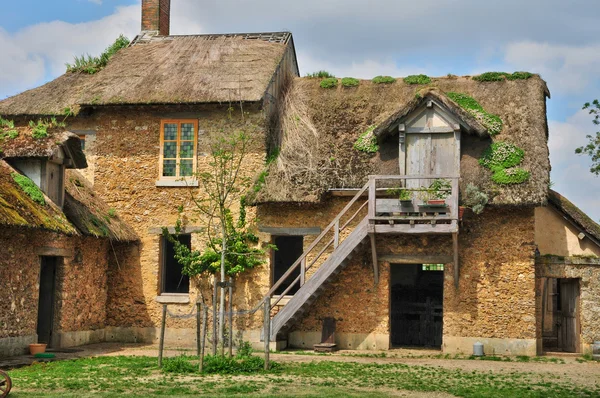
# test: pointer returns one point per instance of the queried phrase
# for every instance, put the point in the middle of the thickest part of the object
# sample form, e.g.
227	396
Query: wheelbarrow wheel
5	384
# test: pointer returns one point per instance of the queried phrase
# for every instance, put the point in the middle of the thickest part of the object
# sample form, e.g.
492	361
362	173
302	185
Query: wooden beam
374	257
429	130
54	252
415	259
413	229
290	231
456	263
184	230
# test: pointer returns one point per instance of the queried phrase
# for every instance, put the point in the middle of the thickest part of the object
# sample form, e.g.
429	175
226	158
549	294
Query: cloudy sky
558	39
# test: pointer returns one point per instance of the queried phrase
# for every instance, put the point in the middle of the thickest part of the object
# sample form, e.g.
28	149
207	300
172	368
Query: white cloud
41	50
360	68
569	69
570	172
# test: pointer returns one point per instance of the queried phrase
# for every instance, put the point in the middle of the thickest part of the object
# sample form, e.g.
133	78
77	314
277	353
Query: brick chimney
156	15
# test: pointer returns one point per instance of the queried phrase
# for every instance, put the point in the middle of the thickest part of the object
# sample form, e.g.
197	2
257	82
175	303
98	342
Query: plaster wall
556	236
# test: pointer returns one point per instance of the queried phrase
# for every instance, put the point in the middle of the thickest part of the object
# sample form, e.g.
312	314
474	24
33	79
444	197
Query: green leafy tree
230	246
592	149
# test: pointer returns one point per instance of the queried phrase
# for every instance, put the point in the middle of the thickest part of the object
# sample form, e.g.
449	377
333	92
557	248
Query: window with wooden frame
178	148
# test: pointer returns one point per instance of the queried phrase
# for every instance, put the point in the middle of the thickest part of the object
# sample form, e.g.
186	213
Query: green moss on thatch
501	155
499	76
501	158
350	82
383	80
515	175
329	82
367	142
417	79
491	122
321	74
29	188
90	65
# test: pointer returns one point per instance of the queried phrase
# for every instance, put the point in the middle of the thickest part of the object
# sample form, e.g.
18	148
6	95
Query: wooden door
430	154
46	299
569	322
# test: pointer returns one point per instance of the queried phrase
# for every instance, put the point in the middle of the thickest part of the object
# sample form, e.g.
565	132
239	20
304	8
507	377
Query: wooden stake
214	319
161	342
203	337
267	331
230	316
198	329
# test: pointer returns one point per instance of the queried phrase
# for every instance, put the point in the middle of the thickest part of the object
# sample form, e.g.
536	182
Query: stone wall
81	286
126	169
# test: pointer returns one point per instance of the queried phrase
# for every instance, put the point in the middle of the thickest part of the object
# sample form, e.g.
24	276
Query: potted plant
438	192
405	197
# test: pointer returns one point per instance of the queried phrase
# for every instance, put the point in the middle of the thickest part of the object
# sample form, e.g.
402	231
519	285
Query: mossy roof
165	70
18	209
90	214
575	214
320	127
25	146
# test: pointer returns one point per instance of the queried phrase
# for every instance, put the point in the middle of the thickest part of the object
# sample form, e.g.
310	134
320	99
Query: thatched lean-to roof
171	69
19	209
90	214
574	214
320	127
25	146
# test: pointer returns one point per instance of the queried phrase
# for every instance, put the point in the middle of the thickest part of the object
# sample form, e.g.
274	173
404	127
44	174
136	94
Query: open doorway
416	305
46	299
560	314
289	248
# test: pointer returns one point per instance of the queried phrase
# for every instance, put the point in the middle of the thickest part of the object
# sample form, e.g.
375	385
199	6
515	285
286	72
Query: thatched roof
160	70
25	146
18	209
574	214
90	214
320	127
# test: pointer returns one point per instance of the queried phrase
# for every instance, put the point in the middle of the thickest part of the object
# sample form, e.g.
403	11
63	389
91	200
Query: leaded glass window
178	148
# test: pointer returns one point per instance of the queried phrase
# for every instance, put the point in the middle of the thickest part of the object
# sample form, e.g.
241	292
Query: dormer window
178	148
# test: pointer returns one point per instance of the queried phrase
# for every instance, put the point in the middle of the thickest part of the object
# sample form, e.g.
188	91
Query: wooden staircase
335	237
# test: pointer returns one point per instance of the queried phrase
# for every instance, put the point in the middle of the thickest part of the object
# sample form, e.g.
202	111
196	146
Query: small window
82	139
173	281
178	143
433	267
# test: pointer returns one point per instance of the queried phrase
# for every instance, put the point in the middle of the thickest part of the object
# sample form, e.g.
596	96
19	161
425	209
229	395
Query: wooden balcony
388	214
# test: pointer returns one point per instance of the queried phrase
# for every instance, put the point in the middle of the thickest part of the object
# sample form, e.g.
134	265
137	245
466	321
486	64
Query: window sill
176	183
173	298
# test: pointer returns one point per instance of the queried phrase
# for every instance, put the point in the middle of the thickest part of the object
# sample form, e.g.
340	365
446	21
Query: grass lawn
139	376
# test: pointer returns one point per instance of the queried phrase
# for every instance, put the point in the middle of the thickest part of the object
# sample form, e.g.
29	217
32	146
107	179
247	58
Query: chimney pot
156	15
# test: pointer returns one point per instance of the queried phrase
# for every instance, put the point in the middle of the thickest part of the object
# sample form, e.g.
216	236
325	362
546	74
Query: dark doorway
173	281
289	248
46	299
560	314
416	305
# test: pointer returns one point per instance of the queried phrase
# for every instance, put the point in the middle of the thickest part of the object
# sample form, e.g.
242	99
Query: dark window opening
173	281
289	249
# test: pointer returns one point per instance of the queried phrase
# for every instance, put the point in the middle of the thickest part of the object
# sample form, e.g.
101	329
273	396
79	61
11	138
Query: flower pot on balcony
461	212
37	348
436	202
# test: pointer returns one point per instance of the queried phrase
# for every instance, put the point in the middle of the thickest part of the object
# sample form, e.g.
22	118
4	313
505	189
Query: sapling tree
592	149
230	245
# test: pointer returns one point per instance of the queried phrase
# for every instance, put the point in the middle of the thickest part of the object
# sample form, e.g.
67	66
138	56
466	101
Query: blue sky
558	39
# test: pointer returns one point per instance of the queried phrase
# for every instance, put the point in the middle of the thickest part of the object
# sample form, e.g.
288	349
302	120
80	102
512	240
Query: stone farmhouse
365	202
